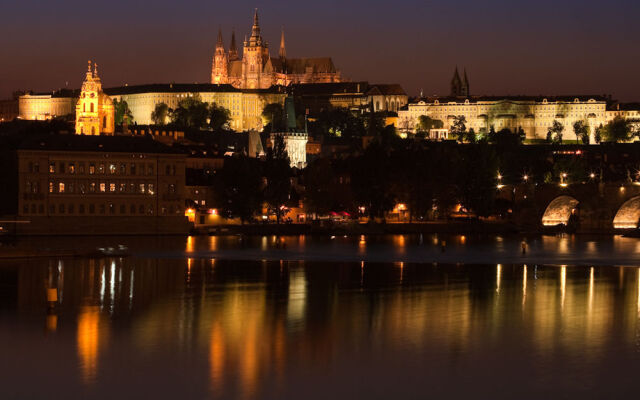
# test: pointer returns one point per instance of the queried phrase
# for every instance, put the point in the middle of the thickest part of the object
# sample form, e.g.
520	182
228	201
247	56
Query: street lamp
500	185
563	178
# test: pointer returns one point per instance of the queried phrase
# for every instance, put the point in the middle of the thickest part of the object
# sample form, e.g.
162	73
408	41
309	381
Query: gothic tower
459	87
95	113
233	49
465	85
456	84
220	71
283	50
254	57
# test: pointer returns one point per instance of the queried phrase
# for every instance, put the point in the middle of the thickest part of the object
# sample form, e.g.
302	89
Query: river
322	317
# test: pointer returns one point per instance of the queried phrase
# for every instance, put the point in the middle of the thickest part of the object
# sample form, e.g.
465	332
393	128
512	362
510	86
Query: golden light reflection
213	243
563	284
524	285
217	358
190	241
52	322
362	244
638	290
591	272
89	342
498	277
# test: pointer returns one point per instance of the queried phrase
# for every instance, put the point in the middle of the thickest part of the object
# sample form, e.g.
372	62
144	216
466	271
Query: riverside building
73	184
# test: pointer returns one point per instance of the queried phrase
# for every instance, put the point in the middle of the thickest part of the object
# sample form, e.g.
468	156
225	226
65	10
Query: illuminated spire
89	72
95	70
283	50
220	44
255	30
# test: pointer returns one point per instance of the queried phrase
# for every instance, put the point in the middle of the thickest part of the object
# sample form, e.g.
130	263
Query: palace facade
245	106
533	114
258	70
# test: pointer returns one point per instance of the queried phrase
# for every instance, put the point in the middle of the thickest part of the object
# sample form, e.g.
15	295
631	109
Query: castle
258	70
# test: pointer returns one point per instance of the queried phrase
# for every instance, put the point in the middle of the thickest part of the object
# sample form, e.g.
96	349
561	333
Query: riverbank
445	227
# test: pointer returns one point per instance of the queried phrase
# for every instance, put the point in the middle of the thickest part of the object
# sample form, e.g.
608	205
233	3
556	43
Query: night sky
509	47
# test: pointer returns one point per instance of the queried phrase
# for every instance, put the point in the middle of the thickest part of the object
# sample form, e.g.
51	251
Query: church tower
233	49
283	50
95	113
254	57
465	85
459	88
456	84
220	70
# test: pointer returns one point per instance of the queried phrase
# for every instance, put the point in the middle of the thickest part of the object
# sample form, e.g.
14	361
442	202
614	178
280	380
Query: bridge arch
559	211
628	214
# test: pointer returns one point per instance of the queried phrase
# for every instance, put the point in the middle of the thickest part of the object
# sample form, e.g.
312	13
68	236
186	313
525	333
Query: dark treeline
430	178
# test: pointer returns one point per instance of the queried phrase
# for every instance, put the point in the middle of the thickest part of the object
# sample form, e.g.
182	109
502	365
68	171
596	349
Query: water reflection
267	329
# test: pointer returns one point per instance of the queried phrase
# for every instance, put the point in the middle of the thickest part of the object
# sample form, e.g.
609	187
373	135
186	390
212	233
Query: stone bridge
596	207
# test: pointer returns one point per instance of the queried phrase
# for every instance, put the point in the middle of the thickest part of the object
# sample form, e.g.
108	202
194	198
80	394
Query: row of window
98	209
100	187
62	167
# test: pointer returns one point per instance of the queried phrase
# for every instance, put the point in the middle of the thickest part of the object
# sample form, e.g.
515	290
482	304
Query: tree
318	179
278	174
219	117
122	111
371	180
425	124
459	128
598	134
273	116
554	134
471	136
617	130
477	179
581	129
160	114
238	188
505	138
192	112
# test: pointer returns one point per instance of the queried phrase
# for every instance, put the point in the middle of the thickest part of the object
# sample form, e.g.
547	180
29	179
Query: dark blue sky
508	47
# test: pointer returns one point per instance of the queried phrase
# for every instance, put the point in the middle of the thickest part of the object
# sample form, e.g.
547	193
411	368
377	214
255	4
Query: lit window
112	187
92	169
101	169
52	168
92	187
142	190
112	168
151	188
103	187
61	187
72	168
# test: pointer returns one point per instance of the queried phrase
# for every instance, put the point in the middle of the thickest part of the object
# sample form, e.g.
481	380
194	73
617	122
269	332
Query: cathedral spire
233	49
255	30
220	43
283	50
95	71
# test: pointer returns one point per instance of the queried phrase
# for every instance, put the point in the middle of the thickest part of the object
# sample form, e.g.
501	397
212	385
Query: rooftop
101	144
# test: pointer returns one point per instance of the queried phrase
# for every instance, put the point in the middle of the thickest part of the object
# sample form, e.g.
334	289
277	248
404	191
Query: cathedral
459	87
258	70
95	112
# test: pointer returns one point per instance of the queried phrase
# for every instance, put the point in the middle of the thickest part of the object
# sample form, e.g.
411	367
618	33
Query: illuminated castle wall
534	115
257	69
